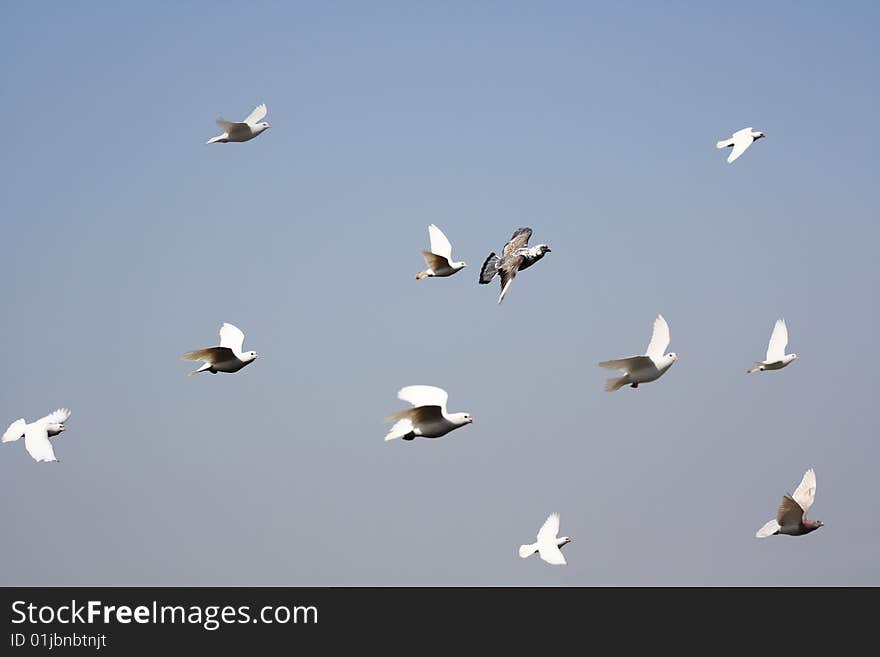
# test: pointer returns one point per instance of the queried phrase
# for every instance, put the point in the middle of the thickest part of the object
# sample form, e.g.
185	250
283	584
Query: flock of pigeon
428	416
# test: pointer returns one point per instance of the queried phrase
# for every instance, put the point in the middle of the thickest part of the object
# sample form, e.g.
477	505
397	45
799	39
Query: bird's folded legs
633	385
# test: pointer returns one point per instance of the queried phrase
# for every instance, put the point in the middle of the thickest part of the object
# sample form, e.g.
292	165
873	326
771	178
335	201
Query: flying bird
245	130
739	141
428	417
36	434
776	357
548	544
517	255
439	258
647	368
228	357
791	517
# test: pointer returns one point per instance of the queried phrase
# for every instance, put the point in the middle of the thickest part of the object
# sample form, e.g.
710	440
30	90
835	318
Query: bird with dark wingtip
516	256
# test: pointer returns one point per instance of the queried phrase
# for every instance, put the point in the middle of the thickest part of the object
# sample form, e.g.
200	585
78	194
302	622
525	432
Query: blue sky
129	241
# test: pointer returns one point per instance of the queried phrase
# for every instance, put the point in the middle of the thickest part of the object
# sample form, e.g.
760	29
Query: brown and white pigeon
647	368
439	258
791	517
428	417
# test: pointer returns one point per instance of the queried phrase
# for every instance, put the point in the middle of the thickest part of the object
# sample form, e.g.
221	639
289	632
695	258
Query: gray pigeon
517	255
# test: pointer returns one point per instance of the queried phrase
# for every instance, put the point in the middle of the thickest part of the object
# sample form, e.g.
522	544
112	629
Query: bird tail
15	431
203	368
755	368
214	140
767	530
615	383
421	275
489	269
400	429
526	551
725	143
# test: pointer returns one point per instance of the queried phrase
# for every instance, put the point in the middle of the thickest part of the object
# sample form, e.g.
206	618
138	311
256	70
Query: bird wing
36	442
778	342
210	355
724	143
231	337
518	240
659	340
15	431
229	126
434	261
424	396
257	115
507	271
769	528
805	493
439	244
56	417
549	530
551	553
742	139
418	415
789	512
627	364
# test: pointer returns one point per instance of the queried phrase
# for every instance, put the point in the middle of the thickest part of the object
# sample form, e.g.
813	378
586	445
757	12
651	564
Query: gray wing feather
518	240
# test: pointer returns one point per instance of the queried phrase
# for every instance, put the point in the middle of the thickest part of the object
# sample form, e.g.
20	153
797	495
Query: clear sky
128	241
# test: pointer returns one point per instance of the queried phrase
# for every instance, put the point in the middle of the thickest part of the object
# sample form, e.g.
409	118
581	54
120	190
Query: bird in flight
228	357
776	357
739	141
428	417
439	258
643	369
516	256
548	544
791	517
245	130
36	434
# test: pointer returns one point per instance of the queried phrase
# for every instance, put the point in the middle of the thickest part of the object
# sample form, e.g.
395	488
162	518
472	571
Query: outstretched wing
789	512
805	493
769	528
518	240
229	126
439	244
551	554
418	415
210	355
231	337
36	442
627	364
56	417
659	340
434	261
424	396
550	529
507	271
257	115
778	342
742	139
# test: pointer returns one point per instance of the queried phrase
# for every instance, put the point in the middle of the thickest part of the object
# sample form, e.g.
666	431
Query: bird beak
471	420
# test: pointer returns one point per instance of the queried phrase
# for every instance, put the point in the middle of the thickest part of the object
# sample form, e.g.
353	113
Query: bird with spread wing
36	434
428	418
238	131
516	256
647	368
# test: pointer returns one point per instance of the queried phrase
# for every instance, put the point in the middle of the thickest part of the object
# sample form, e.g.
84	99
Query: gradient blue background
128	241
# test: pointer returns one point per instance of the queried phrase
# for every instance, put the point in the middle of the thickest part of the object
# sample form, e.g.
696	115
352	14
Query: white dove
547	545
643	369
776	357
37	434
791	517
428	418
439	258
740	141
228	357
246	130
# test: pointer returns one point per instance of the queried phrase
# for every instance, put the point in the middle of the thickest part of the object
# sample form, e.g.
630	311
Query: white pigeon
439	258
791	517
245	130
428	418
36	434
228	357
548	544
776	357
647	368
739	141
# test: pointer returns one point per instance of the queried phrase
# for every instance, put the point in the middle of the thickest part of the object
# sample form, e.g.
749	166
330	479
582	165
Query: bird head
252	355
55	428
462	418
544	248
758	135
672	356
565	540
462	264
793	356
